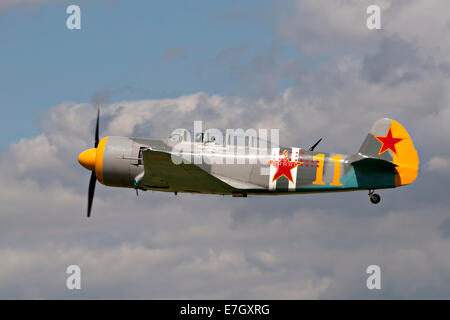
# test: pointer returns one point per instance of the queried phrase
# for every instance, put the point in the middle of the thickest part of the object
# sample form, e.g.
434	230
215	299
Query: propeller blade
97	139
93	179
91	192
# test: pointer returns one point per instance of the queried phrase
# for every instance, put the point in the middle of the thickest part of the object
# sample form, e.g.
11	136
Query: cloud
411	20
188	246
331	27
439	165
318	26
395	61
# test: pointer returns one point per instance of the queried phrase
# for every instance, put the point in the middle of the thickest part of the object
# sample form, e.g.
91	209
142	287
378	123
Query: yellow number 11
337	159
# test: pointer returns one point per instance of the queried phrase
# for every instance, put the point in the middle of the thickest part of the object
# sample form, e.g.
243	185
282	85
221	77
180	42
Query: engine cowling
116	161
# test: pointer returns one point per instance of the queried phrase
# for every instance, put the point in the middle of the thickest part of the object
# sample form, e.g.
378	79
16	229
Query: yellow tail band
406	157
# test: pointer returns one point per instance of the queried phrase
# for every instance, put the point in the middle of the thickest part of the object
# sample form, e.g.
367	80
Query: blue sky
122	48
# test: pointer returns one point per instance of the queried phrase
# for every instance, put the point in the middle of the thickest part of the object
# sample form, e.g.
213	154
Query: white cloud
34	154
293	291
194	246
321	27
256	248
439	164
424	22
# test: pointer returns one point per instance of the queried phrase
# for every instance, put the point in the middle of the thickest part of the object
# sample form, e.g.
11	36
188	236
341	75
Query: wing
160	173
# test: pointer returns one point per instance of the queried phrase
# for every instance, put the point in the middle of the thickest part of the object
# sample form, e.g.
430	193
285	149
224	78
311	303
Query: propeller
93	179
97	138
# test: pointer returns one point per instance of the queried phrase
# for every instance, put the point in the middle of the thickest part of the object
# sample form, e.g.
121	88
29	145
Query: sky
310	68
146	50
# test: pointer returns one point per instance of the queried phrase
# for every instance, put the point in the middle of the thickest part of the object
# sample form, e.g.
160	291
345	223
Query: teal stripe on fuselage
358	178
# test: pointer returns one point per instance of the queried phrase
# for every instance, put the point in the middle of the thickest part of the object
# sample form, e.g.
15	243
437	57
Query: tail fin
389	141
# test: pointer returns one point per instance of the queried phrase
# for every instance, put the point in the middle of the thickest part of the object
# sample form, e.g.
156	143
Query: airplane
386	159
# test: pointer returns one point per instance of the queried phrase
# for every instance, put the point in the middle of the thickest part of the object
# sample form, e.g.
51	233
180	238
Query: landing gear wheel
374	198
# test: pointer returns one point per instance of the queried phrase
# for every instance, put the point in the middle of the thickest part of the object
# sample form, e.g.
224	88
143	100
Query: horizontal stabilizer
373	163
372	172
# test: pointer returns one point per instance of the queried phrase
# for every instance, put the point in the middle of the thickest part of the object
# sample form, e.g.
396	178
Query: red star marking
284	167
388	142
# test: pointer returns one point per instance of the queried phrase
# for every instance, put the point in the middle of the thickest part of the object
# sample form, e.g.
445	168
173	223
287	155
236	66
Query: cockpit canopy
218	137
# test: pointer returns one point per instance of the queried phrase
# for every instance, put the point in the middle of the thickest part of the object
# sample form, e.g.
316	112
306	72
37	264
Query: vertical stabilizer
388	140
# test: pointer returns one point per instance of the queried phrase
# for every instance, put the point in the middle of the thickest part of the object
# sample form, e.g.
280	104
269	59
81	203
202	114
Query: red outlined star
284	167
388	142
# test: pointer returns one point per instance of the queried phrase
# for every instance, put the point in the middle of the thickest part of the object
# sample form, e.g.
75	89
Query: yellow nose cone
87	159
